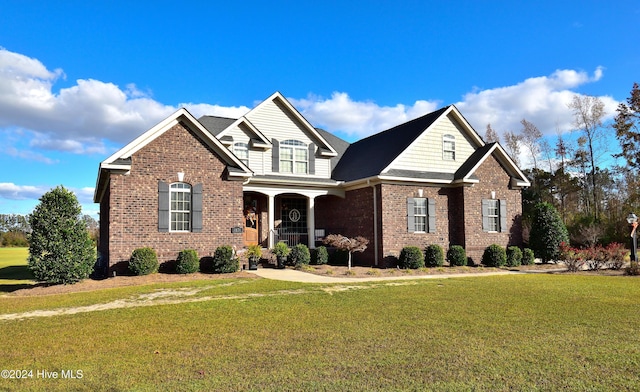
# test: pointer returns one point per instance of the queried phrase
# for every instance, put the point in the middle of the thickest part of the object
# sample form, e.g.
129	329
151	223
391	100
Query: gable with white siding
426	153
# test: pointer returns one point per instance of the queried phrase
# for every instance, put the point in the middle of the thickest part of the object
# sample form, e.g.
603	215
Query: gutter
375	222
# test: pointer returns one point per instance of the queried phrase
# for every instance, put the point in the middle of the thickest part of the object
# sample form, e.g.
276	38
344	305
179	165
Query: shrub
281	249
514	256
528	258
595	257
144	261
616	252
320	256
411	257
494	256
547	232
187	262
632	269
571	257
60	249
300	255
457	256
224	260
433	256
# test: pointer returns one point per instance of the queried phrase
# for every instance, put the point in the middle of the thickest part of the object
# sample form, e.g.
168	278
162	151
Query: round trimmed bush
144	261
434	256
457	256
224	261
494	256
528	258
514	256
300	255
187	262
320	256
411	257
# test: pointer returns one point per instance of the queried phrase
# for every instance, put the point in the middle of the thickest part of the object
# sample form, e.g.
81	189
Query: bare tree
357	244
490	135
531	136
512	143
588	112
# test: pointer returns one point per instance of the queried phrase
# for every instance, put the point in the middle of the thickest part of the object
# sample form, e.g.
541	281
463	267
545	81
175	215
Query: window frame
493	219
180	188
449	147
420	214
241	150
290	154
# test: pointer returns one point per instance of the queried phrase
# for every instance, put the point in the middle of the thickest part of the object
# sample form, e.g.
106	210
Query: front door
250	234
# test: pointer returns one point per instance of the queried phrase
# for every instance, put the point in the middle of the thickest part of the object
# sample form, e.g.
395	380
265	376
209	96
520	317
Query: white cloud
358	119
541	100
11	191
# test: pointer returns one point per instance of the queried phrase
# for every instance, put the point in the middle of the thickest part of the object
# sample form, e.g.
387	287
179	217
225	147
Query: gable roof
324	147
466	172
121	159
215	124
370	156
338	144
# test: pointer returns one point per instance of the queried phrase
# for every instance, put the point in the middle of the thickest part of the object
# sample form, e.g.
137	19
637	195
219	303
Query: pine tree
60	249
627	126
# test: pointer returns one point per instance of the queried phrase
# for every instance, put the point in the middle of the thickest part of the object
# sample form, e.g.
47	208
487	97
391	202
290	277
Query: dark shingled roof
473	160
214	124
369	156
338	144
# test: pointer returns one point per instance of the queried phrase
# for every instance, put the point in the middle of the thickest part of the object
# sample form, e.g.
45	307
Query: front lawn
522	332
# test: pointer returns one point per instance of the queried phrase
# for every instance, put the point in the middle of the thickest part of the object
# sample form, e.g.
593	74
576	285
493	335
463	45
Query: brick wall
395	234
492	178
351	217
133	200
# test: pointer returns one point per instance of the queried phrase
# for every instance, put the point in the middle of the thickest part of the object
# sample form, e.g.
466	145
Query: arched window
449	147
294	157
241	150
180	206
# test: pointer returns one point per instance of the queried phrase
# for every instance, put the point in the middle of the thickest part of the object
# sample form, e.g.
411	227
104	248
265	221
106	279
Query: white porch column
272	231
311	222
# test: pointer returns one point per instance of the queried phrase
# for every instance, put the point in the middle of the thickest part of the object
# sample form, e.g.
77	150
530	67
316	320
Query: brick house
271	176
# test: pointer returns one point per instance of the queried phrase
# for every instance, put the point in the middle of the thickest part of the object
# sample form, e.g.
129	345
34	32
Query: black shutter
196	208
411	222
485	215
163	206
312	158
431	215
503	216
275	156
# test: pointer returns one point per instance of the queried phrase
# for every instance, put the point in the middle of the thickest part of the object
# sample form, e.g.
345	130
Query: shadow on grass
16	272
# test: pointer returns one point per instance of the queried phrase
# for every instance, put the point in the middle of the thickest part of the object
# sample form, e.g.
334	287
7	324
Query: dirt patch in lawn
122	281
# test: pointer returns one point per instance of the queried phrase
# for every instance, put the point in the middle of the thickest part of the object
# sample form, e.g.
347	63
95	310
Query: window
449	147
241	150
180	207
294	157
494	215
421	215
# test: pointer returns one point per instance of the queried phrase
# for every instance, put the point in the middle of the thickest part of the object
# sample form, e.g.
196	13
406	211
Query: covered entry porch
282	214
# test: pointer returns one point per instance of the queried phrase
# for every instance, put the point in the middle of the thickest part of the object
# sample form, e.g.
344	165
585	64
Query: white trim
266	144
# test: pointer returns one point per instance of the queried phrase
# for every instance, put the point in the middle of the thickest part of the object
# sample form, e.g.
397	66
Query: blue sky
80	79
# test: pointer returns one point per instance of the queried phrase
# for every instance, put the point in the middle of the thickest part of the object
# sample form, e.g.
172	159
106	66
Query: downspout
375	222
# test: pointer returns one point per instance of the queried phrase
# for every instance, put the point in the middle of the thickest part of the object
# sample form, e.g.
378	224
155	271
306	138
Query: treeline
592	195
15	229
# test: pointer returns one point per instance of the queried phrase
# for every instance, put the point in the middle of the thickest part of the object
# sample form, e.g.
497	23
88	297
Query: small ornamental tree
547	232
350	245
60	249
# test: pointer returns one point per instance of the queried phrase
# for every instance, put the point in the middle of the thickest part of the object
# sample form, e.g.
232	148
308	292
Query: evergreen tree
547	232
60	250
627	128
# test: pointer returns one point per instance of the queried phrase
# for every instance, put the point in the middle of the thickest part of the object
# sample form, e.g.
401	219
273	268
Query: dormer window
449	147
241	150
294	157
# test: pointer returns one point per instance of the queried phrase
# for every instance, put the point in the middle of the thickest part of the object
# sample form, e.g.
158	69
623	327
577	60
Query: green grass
531	332
14	272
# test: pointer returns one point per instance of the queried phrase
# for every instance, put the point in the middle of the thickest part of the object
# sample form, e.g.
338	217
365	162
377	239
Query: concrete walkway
291	275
